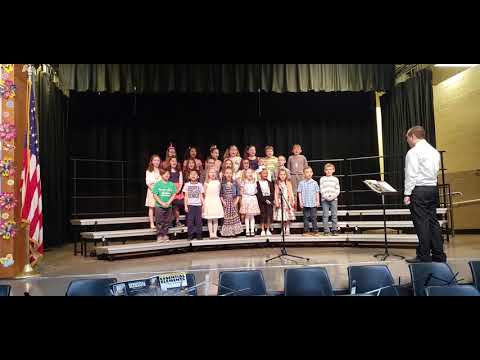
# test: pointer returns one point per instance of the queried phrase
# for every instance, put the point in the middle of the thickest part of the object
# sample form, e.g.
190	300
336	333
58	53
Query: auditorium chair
368	278
5	290
475	267
454	290
241	283
430	274
90	287
307	281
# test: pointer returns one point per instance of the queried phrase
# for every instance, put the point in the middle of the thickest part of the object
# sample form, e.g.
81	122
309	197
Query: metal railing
353	192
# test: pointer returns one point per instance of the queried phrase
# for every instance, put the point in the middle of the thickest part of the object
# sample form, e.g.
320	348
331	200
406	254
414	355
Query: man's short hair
307	168
418	131
327	165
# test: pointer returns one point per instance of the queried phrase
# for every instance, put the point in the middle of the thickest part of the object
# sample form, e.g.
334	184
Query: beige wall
457	120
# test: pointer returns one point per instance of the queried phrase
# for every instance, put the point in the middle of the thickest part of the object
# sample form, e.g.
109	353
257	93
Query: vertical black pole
75	187
443	180
123	188
385	224
444	190
350	184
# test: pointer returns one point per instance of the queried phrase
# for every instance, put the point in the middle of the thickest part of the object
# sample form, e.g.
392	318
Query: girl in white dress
213	208
249	205
288	199
152	175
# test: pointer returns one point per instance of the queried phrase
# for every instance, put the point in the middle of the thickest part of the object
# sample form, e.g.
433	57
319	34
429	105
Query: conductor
422	164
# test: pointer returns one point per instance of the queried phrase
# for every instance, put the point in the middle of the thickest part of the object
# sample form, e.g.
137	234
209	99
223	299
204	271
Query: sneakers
269	233
306	234
263	233
287	232
334	233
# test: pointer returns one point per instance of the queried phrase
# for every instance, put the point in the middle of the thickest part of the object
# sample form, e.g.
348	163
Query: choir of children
236	190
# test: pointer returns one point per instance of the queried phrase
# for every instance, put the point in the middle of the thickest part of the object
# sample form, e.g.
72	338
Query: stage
61	266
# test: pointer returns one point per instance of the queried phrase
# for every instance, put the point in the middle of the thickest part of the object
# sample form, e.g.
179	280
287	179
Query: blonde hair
207	178
227	152
327	165
251	171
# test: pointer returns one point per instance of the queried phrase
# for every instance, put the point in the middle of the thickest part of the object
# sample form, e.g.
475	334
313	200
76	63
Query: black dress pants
423	207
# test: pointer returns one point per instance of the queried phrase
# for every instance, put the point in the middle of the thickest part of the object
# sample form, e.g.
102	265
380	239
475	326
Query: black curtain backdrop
408	104
224	78
130	128
52	118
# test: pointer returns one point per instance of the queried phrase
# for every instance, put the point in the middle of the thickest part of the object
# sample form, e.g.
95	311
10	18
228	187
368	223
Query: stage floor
60	266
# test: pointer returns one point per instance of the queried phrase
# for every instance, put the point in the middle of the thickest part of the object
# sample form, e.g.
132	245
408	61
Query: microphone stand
284	252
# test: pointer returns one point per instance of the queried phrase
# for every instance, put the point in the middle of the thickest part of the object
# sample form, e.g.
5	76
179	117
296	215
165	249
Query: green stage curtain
224	78
408	104
52	119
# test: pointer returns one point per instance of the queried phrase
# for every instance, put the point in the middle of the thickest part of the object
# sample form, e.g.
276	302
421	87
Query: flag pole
28	270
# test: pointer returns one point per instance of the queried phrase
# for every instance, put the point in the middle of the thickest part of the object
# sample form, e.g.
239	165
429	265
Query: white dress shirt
421	166
264	187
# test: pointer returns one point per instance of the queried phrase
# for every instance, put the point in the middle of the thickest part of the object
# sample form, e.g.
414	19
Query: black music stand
379	188
284	252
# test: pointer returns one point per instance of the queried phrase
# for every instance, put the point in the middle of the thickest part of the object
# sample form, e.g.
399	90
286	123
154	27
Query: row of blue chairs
428	279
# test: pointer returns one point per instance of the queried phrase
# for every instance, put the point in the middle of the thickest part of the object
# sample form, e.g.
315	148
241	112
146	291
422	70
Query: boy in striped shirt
330	190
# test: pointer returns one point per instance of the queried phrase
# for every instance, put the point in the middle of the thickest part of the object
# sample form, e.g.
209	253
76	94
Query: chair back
241	283
90	287
430	274
372	277
5	290
454	290
475	268
307	281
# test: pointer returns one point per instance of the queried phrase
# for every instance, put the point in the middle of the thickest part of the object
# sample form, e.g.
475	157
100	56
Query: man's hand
186	209
301	205
406	200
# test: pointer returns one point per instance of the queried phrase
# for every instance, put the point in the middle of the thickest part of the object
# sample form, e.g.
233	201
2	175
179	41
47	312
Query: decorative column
13	102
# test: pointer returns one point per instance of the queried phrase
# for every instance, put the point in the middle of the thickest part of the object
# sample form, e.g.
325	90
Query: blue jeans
310	215
329	206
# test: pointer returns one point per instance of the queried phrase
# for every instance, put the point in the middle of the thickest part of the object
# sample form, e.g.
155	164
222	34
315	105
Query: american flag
30	182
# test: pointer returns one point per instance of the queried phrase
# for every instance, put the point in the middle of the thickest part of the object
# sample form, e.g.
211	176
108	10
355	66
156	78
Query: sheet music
379	186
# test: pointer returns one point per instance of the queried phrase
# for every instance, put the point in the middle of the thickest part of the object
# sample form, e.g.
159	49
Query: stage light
456	65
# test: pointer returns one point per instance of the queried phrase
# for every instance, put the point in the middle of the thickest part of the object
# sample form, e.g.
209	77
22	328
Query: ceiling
439	74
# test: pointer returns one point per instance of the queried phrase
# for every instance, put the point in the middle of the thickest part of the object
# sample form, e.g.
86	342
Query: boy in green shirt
164	192
271	162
